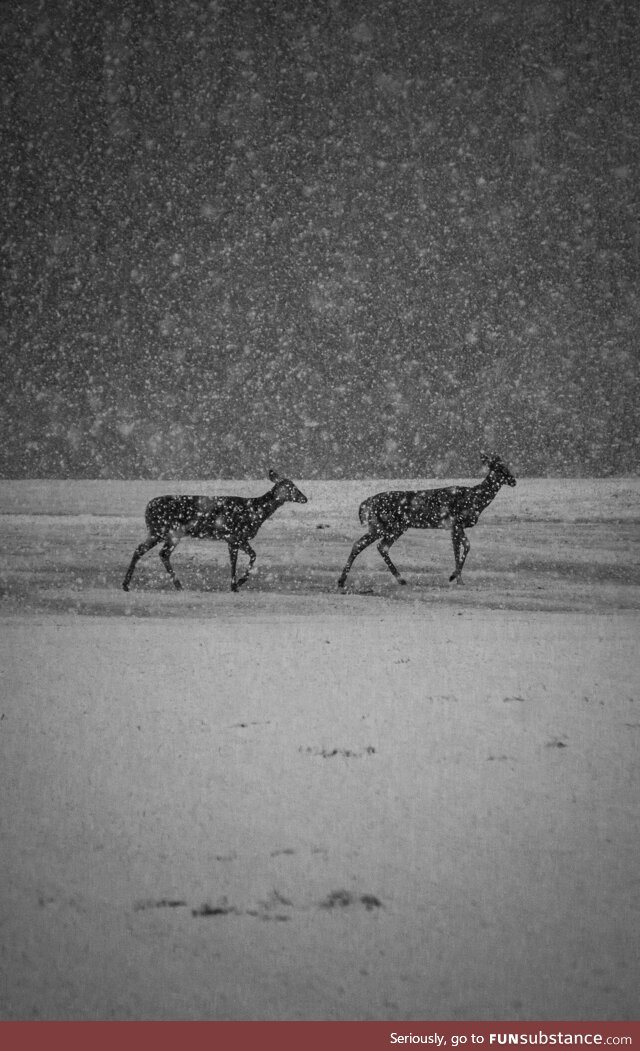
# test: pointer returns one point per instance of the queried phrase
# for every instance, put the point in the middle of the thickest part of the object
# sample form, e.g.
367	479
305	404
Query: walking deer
457	507
234	519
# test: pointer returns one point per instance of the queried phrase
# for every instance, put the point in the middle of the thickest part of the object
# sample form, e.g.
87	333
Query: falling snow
358	239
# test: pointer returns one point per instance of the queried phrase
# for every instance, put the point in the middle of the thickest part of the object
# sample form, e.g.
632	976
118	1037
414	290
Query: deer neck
264	506
487	489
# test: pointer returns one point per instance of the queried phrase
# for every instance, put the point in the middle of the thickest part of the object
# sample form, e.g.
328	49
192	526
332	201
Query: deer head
286	489
499	468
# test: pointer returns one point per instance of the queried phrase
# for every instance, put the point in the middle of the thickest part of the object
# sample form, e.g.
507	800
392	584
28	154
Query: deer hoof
177	585
401	580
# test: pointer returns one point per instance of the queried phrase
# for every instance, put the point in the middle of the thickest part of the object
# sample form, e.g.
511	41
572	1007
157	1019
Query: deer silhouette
234	519
457	507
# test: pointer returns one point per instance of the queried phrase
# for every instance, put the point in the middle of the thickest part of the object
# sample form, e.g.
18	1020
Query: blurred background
340	238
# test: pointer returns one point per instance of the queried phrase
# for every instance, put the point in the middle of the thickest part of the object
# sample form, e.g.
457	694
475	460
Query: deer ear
273	475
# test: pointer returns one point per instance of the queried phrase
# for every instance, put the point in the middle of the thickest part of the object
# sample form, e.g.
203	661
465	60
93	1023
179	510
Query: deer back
169	514
398	510
435	508
237	516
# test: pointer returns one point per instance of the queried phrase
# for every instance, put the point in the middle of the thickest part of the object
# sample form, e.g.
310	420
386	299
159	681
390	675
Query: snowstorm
350	239
319	497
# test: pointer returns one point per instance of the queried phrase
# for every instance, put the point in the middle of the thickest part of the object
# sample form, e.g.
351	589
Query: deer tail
364	512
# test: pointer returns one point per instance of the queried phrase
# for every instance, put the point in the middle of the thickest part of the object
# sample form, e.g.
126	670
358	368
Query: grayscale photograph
320	490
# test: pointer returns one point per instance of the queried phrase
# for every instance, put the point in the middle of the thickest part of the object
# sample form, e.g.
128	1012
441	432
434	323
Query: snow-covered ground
287	803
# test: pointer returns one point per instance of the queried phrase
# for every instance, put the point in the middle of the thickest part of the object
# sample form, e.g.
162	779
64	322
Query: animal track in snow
158	903
346	753
340	899
275	907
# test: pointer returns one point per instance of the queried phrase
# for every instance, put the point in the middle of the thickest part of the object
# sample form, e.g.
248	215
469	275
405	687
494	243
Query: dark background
342	238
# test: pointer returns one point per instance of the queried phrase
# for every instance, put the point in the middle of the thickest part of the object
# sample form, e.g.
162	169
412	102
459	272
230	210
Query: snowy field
410	803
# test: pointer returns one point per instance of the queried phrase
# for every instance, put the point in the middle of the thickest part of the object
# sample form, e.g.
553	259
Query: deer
234	519
458	507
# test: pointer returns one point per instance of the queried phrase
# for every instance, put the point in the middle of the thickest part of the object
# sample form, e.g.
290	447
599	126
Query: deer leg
233	558
459	540
141	550
383	548
170	545
360	545
248	550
